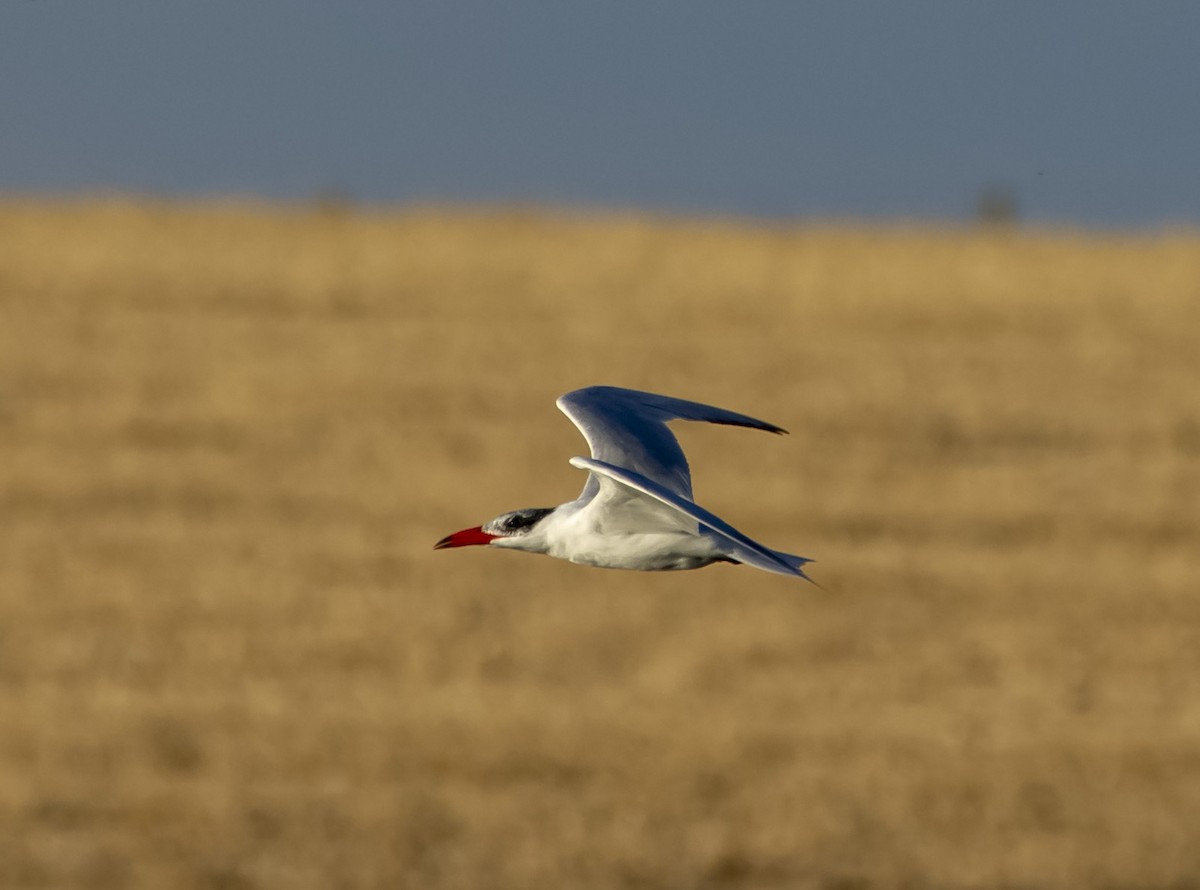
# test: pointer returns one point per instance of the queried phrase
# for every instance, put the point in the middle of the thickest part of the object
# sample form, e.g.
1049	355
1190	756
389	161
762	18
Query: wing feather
628	429
736	544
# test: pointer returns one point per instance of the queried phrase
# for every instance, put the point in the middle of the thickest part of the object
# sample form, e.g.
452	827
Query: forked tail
796	562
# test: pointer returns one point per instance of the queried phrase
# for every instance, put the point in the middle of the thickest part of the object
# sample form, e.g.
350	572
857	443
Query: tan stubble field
230	434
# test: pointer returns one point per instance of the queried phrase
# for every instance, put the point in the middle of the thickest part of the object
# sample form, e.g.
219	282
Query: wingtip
754	425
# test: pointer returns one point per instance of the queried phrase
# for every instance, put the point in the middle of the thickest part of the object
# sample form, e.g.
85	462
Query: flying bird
636	509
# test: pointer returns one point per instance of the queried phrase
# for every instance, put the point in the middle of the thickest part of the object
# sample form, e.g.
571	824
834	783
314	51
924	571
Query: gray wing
737	545
628	429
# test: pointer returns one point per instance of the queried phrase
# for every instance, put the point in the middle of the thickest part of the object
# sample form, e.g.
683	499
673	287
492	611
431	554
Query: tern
636	509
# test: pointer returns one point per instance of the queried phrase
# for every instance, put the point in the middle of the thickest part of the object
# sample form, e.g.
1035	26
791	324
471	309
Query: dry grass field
229	658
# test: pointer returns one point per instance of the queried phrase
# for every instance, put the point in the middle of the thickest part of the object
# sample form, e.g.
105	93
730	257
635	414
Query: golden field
229	658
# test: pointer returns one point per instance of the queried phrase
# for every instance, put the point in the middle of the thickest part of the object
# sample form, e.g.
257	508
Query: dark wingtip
758	425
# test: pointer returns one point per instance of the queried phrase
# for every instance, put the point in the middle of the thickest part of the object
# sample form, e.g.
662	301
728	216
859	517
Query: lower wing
739	547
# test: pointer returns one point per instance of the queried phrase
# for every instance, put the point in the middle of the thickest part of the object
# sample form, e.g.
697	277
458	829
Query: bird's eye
521	520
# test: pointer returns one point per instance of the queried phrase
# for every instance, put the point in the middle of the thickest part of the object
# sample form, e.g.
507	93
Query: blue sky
1088	110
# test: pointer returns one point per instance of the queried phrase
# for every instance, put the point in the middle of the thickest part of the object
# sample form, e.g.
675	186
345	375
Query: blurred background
1077	112
288	292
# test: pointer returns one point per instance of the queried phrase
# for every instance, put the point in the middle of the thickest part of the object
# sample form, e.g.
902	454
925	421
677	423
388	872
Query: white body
582	533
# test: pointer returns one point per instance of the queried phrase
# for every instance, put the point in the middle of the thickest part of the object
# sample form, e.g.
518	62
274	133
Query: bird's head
508	529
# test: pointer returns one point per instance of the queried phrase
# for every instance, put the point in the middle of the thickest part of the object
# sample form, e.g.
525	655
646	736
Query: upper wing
628	429
737	545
